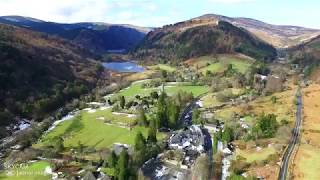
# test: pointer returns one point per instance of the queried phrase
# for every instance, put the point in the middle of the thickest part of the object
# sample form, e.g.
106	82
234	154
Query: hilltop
280	36
199	37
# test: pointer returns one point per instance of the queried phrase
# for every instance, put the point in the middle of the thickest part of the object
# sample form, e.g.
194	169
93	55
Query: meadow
28	171
171	89
220	63
93	132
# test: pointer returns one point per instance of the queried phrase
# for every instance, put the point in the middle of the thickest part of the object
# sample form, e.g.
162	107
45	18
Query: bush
266	126
239	166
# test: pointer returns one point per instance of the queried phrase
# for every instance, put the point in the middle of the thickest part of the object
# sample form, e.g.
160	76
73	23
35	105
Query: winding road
293	141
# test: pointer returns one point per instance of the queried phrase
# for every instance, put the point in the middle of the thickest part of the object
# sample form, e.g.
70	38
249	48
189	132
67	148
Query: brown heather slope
307	160
280	36
39	73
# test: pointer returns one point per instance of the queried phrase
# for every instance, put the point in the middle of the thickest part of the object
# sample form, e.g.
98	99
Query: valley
207	98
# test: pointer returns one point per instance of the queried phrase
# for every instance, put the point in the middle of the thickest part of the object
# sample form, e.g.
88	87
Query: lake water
124	67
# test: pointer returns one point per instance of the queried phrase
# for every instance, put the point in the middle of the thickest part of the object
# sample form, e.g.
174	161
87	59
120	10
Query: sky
156	13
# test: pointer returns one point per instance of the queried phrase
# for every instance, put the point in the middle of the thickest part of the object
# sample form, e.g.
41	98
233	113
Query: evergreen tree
122	166
142	119
122	102
173	114
152	135
162	111
112	160
140	142
58	144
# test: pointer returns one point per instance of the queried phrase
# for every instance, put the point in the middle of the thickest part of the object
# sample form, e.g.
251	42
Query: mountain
39	73
306	54
198	37
98	37
279	36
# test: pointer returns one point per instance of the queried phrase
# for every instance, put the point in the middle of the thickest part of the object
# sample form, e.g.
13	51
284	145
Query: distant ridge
280	36
95	36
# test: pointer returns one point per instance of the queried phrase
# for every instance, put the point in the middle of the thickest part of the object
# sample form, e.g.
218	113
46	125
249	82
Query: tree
152	135
112	160
162	111
227	134
58	144
80	147
122	102
140	142
173	114
196	116
122	165
215	144
154	95
274	99
142	119
164	74
268	125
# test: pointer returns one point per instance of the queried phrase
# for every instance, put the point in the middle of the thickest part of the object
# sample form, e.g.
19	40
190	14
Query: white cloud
57	10
137	12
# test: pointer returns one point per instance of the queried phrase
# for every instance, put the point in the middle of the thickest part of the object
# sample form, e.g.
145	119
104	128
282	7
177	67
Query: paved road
293	141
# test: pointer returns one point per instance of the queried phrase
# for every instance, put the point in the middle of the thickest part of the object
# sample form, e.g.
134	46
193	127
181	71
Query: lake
123	67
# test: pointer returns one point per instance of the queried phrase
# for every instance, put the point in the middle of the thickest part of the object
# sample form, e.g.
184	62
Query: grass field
284	108
220	63
210	100
139	76
307	160
136	89
92	132
32	171
165	67
254	155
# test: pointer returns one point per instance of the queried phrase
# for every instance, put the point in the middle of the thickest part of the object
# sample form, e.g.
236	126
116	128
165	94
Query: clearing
220	63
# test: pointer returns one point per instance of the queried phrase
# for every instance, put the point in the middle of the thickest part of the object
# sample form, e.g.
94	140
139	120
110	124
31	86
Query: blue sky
160	12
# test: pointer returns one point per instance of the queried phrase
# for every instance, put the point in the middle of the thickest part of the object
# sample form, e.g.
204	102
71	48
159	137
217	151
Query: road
293	141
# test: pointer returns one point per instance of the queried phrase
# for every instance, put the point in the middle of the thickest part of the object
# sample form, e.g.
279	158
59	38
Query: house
118	147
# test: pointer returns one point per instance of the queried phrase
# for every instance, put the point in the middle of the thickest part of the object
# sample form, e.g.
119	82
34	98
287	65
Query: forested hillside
196	38
39	73
97	37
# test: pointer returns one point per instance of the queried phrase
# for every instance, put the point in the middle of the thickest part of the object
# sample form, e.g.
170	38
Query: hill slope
98	37
39	73
196	38
278	35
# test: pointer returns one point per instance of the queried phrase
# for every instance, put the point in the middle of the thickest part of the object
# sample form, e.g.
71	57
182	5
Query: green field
254	155
215	65
136	89
165	67
32	171
214	68
92	132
